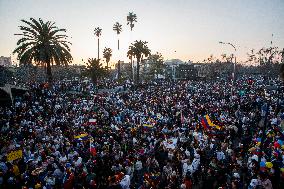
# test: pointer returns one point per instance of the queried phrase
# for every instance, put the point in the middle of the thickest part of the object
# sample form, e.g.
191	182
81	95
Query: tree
118	29
98	33
138	49
156	62
107	54
42	44
267	60
130	55
268	55
95	70
131	18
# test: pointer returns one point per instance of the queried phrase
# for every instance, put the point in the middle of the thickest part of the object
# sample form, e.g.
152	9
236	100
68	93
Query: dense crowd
162	134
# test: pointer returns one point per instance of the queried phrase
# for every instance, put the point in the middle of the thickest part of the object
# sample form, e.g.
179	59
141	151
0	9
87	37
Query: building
5	61
177	69
171	66
186	71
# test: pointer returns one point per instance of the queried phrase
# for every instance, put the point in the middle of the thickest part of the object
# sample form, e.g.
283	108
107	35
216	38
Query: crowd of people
162	134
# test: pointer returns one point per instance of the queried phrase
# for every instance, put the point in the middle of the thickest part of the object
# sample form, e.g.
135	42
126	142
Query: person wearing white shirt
220	155
78	161
186	167
138	165
125	182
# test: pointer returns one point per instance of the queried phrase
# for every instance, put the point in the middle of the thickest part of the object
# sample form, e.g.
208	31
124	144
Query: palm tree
107	54
118	29
95	70
98	33
43	44
130	55
138	49
131	18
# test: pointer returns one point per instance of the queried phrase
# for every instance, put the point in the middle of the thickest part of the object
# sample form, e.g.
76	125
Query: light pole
234	65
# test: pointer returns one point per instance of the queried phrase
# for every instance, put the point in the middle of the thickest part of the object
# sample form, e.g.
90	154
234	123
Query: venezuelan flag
83	136
150	123
204	123
210	123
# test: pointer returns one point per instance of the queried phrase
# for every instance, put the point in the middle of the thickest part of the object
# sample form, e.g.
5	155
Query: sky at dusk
183	29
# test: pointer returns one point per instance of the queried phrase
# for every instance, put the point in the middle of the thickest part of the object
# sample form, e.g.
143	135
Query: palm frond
43	44
98	31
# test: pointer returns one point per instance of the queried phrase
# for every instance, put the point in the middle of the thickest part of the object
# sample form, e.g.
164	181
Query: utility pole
234	67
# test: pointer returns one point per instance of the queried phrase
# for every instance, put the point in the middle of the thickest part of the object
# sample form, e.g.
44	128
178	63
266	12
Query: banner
17	154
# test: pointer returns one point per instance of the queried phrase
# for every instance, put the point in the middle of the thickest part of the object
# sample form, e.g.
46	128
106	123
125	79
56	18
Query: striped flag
83	136
93	150
210	122
205	124
92	121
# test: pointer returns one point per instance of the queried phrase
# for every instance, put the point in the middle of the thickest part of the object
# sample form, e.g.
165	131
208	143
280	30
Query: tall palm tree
98	33
95	70
131	18
130	55
118	29
107	54
139	49
43	43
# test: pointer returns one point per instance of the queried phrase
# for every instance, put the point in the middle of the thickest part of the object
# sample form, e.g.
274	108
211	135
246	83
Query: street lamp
234	70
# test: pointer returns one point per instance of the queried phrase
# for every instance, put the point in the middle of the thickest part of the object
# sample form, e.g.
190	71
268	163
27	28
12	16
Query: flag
204	123
93	150
83	136
92	121
210	122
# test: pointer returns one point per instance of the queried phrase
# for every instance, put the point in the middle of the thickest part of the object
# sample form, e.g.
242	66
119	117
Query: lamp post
234	65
